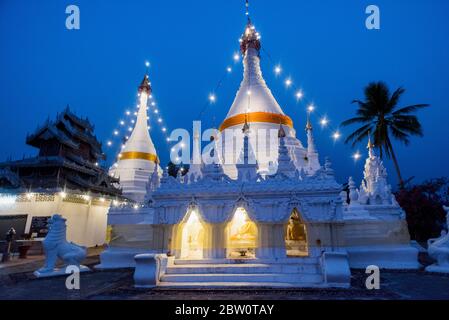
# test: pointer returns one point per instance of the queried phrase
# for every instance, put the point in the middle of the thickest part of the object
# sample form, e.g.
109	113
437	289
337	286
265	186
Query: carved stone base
58	272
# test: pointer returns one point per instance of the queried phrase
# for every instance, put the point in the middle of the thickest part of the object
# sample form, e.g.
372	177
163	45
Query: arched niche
296	241
190	234
241	236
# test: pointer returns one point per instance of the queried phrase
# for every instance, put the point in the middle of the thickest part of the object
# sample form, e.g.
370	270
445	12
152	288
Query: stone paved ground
118	284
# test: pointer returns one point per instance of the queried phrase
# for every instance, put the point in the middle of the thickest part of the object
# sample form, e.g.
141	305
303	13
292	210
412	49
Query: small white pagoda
278	221
138	158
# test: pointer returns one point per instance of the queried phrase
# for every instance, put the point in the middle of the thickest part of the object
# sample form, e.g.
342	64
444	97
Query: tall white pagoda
138	158
255	104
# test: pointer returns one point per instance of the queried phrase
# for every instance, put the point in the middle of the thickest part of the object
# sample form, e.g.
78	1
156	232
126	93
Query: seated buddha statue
295	229
247	231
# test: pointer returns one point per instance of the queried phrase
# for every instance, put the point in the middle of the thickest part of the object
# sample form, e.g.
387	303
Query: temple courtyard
17	282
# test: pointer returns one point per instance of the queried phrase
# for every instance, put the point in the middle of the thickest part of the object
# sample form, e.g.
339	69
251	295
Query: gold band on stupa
257	117
139	155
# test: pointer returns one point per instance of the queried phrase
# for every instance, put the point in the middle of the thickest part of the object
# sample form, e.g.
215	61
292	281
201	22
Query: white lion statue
439	250
56	246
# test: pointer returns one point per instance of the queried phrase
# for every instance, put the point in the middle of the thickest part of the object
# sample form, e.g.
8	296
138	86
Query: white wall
86	223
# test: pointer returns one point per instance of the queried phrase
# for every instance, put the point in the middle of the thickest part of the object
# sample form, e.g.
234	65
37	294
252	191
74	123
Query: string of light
299	95
126	124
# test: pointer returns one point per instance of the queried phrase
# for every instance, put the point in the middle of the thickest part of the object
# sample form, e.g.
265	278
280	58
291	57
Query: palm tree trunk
396	164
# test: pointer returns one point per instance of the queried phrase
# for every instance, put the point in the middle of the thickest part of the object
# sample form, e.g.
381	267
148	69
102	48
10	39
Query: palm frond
359	134
410	109
400	135
355	120
394	100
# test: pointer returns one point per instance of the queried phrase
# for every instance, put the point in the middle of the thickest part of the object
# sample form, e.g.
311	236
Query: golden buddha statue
247	231
295	229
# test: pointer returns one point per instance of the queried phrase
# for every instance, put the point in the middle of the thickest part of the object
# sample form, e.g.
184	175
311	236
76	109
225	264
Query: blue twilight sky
323	45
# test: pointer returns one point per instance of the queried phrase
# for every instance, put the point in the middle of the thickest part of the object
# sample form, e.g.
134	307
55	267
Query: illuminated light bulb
336	135
109	143
130	129
123	146
177	158
115	165
277	70
122	123
168	139
159	120
132	121
310	107
116	132
147	64
62	194
149	127
164	129
150	96
299	94
156	111
324	122
212	98
135	113
148	118
183	145
128	112
248	92
288	82
119	155
136	207
356	156
115	203
153	103
96	164
172	149
229	69
138	94
236	57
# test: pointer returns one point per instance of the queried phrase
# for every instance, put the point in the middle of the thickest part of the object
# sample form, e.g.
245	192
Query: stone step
243	268
237	285
302	260
246	278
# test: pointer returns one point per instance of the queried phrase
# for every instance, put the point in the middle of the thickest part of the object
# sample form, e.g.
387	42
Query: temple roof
69	130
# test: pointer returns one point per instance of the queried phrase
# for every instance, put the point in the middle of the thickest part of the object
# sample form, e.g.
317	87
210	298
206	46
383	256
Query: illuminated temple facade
281	220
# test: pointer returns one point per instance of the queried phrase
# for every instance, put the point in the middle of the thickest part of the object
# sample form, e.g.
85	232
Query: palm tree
381	117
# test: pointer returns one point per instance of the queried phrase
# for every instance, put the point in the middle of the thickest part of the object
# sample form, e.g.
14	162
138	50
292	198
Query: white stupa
255	104
239	225
138	159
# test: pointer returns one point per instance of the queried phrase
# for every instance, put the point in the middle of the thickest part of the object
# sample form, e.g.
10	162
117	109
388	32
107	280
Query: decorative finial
245	128
370	146
308	124
281	132
250	38
145	85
